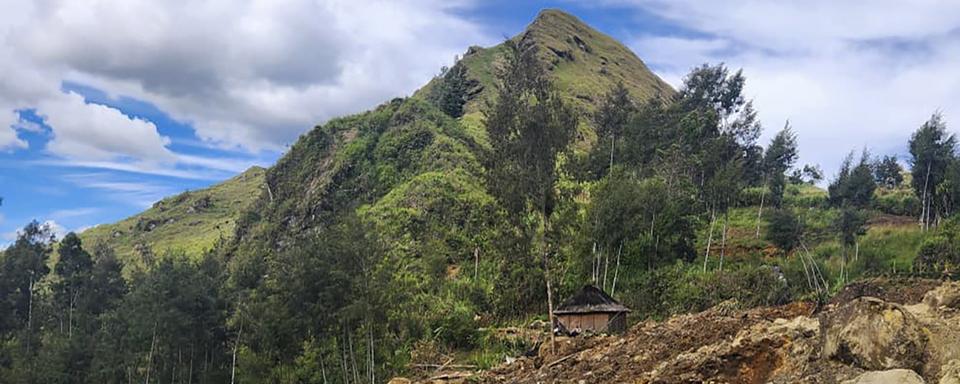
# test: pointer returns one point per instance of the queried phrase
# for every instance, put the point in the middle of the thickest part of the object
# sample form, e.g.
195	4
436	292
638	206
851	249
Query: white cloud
94	132
846	74
56	229
134	193
73	213
252	74
8	136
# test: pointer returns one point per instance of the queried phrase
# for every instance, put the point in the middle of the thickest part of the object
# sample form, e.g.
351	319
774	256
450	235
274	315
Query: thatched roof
590	299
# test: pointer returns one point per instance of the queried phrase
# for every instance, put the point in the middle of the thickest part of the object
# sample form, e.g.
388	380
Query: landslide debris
854	339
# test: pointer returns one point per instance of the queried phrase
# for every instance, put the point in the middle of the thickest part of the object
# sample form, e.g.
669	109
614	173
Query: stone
874	335
944	296
893	376
950	373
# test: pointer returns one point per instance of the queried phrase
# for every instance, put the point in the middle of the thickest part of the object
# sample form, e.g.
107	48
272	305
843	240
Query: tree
784	230
23	266
451	89
780	156
529	124
74	268
888	173
931	150
809	174
850	225
611	120
854	185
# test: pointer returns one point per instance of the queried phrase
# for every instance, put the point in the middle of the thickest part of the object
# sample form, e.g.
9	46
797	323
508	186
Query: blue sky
107	105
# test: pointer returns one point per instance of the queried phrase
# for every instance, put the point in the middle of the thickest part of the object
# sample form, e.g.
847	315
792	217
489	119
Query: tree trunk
476	262
29	316
723	240
763	193
236	346
153	343
546	273
616	272
706	255
613	140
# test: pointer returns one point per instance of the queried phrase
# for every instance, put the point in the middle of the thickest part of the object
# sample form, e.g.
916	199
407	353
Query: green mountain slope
359	160
413	177
191	222
583	62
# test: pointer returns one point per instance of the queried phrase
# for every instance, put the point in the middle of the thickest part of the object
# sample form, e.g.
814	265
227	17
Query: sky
106	106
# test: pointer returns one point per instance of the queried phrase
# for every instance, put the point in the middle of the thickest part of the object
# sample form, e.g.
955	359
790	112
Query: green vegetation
417	231
192	222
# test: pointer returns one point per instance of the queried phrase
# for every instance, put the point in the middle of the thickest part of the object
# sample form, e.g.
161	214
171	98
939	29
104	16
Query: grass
191	222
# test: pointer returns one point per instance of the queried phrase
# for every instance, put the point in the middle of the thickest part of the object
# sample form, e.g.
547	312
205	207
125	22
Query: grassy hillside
583	63
191	221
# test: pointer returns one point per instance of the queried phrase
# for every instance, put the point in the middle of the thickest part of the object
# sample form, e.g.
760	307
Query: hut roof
590	299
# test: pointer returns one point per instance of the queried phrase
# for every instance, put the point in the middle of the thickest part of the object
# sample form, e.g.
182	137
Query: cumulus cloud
246	74
8	136
95	132
847	75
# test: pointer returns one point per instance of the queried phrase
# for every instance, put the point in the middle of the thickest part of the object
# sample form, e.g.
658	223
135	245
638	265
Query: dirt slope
854	339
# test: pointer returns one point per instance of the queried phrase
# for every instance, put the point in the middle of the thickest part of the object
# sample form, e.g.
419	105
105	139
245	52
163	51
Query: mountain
191	222
398	149
390	209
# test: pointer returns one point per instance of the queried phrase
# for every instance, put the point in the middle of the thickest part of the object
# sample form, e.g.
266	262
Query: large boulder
893	376
874	335
950	373
944	296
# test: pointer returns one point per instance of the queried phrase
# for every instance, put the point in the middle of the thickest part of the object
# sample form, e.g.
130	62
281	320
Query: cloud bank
247	76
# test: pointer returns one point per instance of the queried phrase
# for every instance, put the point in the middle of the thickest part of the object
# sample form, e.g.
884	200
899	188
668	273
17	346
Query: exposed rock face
893	376
872	334
950	373
946	296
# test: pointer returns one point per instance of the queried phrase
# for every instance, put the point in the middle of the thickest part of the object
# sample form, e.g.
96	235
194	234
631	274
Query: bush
900	202
936	254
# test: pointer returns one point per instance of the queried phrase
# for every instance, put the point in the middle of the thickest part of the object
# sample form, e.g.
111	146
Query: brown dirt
614	359
903	291
762	345
891	220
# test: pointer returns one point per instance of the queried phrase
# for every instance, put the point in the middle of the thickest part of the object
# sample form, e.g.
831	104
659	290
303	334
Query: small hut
591	310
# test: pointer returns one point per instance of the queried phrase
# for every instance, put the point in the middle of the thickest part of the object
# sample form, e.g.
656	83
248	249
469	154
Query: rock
946	295
893	376
950	373
873	334
399	380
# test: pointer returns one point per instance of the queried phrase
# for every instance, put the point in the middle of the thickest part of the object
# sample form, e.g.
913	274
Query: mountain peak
586	63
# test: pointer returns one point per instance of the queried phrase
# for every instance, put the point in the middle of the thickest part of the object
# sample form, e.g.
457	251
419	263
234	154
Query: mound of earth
858	339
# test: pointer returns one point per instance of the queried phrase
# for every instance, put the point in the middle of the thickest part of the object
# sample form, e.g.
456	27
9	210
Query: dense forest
408	233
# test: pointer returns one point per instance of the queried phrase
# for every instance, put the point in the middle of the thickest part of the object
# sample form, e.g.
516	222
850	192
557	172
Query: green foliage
900	202
940	253
192	222
779	157
529	125
451	90
683	288
887	172
855	184
645	220
784	229
932	149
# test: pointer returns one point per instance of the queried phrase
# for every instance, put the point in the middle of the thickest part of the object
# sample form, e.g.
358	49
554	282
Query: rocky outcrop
950	373
945	297
893	376
873	334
